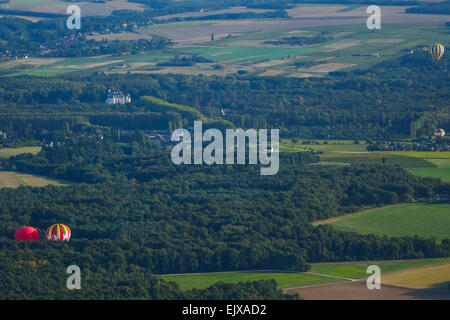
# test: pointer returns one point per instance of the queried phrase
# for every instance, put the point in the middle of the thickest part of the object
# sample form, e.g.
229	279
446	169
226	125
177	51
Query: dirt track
358	291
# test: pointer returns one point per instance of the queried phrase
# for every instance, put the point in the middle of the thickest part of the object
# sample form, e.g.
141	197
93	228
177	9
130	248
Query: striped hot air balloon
439	132
437	51
59	232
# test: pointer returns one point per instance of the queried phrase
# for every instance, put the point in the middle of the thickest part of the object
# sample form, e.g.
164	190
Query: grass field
357	270
12	179
442	170
345	152
5	153
351	270
427	220
284	280
247	54
80	64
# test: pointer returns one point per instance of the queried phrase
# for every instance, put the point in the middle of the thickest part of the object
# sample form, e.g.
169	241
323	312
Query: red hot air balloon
26	234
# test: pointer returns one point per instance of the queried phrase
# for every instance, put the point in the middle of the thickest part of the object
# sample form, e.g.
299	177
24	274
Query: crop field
319	274
60	6
240	44
248	54
426	220
9	152
346	152
350	46
11	179
431	277
442	170
357	270
357	290
59	66
284	280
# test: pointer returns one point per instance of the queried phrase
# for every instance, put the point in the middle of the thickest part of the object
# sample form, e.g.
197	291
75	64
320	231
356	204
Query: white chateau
117	97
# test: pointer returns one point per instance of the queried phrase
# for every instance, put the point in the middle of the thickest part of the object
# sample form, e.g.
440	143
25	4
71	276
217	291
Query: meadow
284	280
442	170
5	153
320	273
346	152
409	219
12	179
357	270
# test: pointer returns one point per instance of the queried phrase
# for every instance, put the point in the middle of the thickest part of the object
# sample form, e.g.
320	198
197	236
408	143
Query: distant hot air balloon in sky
439	132
437	51
58	232
26	234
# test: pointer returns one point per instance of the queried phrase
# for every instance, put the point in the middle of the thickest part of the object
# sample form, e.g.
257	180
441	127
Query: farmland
319	274
357	270
402	280
427	220
242	44
9	152
60	6
284	280
145	227
358	291
442	171
434	277
345	152
10	179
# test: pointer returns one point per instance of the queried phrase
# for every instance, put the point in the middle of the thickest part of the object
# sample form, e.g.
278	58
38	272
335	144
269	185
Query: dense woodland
172	219
134	214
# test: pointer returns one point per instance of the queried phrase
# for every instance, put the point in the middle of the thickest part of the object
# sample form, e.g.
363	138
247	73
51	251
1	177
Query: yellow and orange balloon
437	51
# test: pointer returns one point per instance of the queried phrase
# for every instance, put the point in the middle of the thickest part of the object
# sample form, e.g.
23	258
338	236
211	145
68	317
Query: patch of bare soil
357	290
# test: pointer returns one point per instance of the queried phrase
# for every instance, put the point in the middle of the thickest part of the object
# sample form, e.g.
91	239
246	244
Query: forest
404	98
134	214
137	214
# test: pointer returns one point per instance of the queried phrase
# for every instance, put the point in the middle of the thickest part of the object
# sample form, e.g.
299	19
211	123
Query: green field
442	171
81	64
345	152
426	220
13	179
350	270
247	54
284	280
357	270
5	153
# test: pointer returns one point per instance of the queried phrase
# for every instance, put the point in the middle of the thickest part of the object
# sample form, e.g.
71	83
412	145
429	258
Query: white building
117	97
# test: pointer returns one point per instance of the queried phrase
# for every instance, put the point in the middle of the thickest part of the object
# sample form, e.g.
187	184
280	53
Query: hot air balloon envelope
26	234
437	51
58	231
439	133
